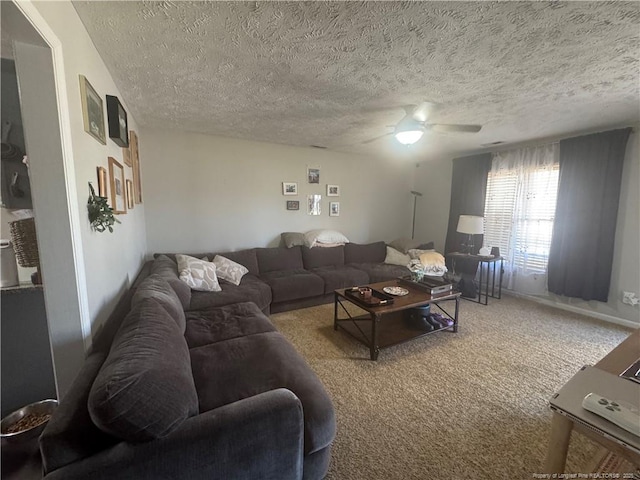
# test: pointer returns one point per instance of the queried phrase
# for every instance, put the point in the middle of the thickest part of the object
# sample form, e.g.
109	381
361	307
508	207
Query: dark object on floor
418	318
467	286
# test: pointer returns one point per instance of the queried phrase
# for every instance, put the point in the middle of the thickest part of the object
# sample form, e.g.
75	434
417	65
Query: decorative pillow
145	388
229	270
394	257
415	253
324	236
292	239
199	274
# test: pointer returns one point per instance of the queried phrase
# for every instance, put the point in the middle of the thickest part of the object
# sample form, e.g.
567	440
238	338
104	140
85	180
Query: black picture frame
293	205
117	122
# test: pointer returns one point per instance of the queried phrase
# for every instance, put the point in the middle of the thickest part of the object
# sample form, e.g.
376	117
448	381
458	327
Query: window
519	213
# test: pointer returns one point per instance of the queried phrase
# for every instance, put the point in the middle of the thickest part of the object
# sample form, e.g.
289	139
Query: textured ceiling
336	74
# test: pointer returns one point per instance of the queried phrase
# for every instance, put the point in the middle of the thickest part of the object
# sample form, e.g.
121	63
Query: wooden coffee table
384	326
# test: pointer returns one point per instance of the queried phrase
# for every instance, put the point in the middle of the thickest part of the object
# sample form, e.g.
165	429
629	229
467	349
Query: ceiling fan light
409	137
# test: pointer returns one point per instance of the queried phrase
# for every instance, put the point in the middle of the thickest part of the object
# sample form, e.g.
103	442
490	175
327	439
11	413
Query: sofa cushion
199	274
341	277
370	253
145	388
293	284
381	272
156	287
279	259
403	245
229	270
292	239
322	257
247	258
251	289
223	323
168	269
226	372
394	257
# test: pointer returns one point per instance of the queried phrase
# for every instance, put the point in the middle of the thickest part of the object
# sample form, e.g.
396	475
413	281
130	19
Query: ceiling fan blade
441	127
371	140
422	111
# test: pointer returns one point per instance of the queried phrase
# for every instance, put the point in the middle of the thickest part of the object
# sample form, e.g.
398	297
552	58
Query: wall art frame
129	190
117	121
333	190
117	187
289	188
134	146
293	205
313	175
314	204
334	209
92	111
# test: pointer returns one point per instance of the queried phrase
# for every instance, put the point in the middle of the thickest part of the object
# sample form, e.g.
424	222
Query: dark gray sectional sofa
196	385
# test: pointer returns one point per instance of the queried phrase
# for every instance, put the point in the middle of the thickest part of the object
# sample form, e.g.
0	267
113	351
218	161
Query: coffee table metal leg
455	315
335	311
374	350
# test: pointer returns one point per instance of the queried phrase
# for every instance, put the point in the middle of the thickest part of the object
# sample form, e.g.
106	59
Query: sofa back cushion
279	259
323	257
168	269
145	388
370	253
156	287
246	258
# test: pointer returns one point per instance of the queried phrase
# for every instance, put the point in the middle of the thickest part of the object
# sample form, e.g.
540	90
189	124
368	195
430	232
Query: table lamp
471	225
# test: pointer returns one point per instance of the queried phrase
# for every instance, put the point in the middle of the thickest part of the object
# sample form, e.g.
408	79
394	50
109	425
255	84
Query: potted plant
101	215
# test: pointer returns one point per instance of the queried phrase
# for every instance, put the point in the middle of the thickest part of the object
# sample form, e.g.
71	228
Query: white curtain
519	213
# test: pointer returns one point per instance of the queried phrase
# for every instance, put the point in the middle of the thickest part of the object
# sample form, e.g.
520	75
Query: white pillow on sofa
324	236
394	257
229	270
199	274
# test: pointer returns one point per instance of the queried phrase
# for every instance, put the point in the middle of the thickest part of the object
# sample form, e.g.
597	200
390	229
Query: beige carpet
470	405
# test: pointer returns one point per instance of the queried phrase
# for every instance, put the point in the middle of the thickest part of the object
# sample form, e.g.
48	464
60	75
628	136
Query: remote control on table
614	412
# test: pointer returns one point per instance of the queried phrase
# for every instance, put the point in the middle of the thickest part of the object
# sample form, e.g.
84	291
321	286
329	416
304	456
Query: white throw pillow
199	274
324	236
394	257
229	270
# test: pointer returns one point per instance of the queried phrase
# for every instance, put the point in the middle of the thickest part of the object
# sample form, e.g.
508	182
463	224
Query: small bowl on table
27	422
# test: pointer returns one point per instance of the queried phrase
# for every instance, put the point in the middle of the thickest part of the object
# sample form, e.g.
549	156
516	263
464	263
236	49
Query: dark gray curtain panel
581	252
468	192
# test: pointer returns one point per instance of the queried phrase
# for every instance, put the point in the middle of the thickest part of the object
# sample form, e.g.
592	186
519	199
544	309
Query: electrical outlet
630	298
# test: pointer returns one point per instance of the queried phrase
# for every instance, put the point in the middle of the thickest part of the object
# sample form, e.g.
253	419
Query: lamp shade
470	224
409	137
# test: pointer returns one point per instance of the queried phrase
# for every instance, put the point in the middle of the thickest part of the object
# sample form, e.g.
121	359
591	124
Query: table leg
373	348
335	311
455	315
561	428
501	274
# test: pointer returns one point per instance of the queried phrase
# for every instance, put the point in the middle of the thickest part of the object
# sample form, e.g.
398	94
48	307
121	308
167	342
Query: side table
487	278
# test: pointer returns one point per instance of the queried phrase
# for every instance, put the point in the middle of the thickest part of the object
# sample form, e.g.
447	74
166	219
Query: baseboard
570	308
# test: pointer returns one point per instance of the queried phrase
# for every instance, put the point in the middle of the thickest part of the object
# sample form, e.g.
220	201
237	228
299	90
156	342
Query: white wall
205	193
433	179
111	261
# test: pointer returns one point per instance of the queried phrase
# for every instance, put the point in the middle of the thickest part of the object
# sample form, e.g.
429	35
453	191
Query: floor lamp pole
415	198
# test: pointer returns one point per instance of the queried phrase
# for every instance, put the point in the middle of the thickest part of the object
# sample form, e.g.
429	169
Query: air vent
318	146
492	144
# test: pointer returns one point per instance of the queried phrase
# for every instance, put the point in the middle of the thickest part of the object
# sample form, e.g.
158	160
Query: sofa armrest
257	437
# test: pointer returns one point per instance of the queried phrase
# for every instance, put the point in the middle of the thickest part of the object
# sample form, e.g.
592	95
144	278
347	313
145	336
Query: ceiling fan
414	124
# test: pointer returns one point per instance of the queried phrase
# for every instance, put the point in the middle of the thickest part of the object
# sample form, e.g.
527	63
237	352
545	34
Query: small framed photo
334	209
117	120
126	156
130	200
289	188
92	111
293	205
102	182
333	190
117	186
313	175
314	202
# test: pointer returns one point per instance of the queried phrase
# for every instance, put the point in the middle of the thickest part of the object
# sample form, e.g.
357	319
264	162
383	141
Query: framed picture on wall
102	182
289	188
293	205
135	166
117	118
92	111
117	186
313	175
126	156
129	189
333	190
314	202
334	209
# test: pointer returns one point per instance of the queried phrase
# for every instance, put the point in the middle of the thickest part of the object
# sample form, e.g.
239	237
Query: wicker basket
25	244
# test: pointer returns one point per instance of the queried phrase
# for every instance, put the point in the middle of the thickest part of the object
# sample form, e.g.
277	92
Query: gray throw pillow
292	239
145	388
